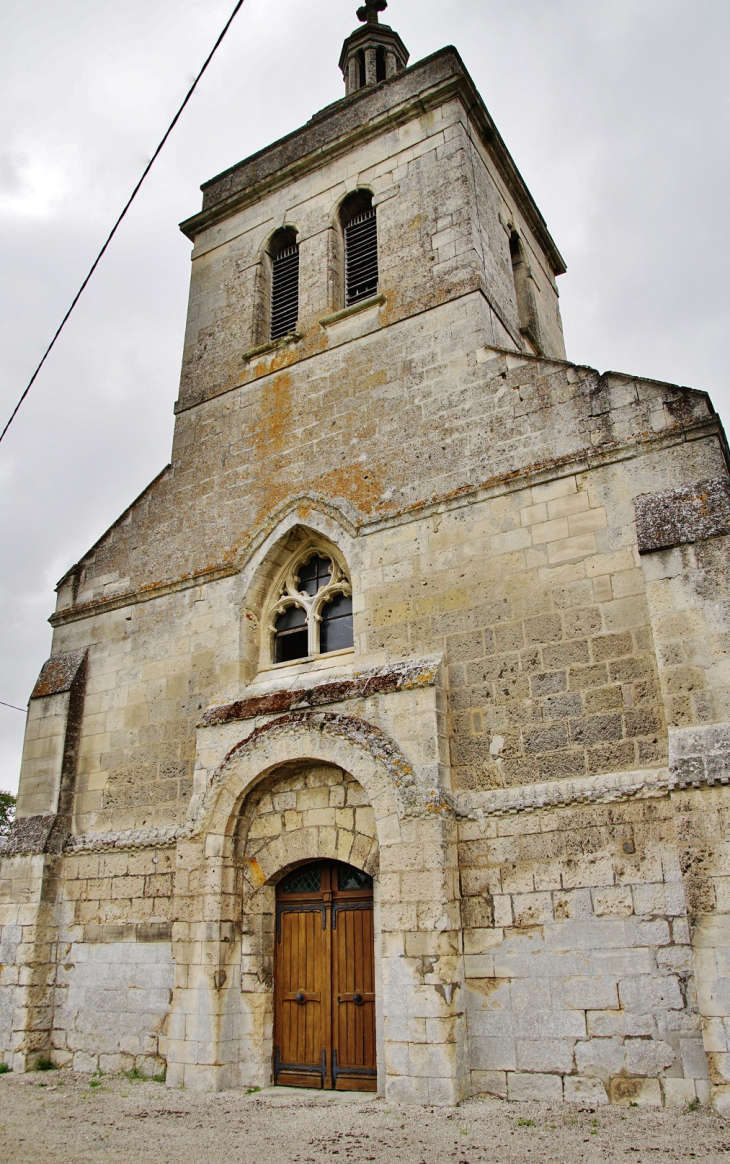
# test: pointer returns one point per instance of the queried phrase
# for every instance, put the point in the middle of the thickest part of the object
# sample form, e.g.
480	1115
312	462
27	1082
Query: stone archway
298	813
221	1015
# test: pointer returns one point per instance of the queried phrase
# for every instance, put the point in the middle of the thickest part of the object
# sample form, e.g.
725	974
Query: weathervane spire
368	14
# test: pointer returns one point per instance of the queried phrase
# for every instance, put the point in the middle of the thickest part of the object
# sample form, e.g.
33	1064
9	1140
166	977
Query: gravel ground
58	1116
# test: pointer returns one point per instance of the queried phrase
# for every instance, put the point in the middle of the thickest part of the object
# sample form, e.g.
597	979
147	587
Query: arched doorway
324	989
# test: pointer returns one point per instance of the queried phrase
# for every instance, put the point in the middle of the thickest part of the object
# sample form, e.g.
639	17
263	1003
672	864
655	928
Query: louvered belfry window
361	257
284	291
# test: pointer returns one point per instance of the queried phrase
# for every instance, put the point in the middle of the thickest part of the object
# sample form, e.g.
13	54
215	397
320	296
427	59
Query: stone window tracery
312	609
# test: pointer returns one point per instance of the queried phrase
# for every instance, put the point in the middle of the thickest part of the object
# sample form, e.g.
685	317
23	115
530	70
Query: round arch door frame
324	979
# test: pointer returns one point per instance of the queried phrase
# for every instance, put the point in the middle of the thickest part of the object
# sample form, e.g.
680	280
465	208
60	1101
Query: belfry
384	740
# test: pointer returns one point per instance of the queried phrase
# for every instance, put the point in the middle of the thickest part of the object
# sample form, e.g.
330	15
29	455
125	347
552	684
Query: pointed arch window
284	254
360	230
312	614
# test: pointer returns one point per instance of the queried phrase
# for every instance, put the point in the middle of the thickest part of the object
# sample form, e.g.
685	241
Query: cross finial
368	14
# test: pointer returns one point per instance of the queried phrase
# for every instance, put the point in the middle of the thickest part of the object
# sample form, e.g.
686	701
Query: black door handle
299	998
357	998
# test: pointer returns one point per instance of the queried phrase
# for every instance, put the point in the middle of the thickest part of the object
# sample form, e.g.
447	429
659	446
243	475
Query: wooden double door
324	993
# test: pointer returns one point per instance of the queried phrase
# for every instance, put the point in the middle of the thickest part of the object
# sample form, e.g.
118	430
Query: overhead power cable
23	709
114	229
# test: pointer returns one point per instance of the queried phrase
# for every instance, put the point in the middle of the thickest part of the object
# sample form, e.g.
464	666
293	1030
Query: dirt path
59	1118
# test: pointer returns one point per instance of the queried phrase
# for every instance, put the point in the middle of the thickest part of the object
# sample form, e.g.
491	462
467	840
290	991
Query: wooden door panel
302	996
324	994
353	998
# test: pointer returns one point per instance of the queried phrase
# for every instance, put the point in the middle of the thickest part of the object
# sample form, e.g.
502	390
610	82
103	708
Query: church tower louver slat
384	740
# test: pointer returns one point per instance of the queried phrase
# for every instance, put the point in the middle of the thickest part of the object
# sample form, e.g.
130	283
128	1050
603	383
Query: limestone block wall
152	669
14	887
688	589
422	177
112	1003
444	416
43	752
537	599
114	977
578	956
703	839
535	593
28	945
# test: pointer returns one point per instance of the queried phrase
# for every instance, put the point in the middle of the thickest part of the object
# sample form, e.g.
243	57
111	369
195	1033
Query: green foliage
137	1076
4	1068
95	1083
252	1090
45	1065
693	1105
7	813
525	1123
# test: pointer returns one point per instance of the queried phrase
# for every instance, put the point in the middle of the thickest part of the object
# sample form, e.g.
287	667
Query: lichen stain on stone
363	485
257	874
269	437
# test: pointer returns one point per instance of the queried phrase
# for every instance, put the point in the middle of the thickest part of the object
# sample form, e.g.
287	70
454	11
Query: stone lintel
381	681
675	517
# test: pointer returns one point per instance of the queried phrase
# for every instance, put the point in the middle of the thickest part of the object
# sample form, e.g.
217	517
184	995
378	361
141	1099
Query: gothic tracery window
312	614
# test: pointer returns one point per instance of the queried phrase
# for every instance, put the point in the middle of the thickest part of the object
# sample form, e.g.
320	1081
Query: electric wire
23	709
114	229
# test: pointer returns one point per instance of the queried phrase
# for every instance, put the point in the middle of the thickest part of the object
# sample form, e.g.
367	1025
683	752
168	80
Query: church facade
384	739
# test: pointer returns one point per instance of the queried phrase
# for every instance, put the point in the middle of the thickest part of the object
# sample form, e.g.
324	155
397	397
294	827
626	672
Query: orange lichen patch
270	434
361	484
256	872
58	673
281	358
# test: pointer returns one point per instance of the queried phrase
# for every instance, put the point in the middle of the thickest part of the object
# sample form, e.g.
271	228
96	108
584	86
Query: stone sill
354	309
308	659
293	337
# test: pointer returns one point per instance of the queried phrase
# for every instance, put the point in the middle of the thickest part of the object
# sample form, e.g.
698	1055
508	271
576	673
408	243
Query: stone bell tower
373	53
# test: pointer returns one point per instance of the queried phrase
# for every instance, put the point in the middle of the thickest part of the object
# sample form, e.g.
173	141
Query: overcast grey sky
616	112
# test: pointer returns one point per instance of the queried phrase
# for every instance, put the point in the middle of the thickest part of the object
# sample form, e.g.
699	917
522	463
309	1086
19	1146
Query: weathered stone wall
114	979
10	935
578	956
111	1007
535	596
